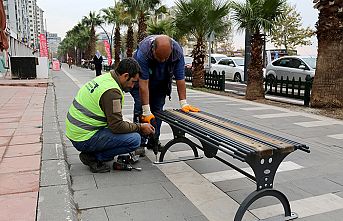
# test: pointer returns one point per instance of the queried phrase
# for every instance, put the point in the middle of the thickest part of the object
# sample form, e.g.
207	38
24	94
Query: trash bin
24	67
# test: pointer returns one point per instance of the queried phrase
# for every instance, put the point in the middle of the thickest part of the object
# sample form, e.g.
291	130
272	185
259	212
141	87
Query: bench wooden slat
262	150
287	147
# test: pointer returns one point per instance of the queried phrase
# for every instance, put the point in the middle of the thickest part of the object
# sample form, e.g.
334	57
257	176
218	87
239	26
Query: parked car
188	66
214	59
292	66
232	67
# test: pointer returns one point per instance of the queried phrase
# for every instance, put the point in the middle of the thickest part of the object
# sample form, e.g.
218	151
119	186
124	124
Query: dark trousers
98	72
157	98
105	145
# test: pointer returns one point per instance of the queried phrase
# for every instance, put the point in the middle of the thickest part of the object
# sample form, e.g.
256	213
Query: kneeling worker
95	124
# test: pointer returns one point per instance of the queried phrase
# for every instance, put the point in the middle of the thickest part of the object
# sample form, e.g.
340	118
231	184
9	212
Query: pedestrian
161	59
97	60
95	124
70	62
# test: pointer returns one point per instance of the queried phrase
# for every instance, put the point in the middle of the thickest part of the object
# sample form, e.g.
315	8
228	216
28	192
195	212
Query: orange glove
147	119
147	116
185	107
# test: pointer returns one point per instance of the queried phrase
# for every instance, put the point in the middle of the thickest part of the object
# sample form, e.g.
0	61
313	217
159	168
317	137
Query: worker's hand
185	107
147	119
147	129
147	116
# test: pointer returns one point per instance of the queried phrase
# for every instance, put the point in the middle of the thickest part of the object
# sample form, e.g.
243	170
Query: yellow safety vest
85	116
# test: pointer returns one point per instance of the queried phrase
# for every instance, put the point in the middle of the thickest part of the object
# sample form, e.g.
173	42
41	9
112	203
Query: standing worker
161	59
95	124
97	60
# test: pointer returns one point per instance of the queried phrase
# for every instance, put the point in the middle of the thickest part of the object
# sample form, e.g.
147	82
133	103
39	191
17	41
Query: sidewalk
21	111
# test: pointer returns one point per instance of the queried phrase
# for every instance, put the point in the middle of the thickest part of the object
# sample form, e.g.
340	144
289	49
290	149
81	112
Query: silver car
292	67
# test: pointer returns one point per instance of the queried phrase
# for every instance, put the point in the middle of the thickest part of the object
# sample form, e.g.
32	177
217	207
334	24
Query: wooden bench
261	150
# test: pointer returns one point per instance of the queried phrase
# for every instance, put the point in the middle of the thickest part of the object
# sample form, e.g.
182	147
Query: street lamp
75	55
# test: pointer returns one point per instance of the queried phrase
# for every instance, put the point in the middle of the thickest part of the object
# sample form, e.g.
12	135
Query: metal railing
293	88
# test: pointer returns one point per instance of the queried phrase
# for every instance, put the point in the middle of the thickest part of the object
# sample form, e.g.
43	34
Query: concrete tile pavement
21	112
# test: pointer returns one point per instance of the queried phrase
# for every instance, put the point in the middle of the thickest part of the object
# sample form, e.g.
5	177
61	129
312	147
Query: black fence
212	81
296	89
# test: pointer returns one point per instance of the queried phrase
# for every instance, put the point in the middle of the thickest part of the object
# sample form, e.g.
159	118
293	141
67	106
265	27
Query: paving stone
21	206
332	216
83	182
94	214
25	139
52	152
54	172
72	151
291	191
55	204
19	182
51	137
4	141
120	178
119	195
22	131
336	178
6	132
318	185
236	184
164	210
2	152
24	150
20	164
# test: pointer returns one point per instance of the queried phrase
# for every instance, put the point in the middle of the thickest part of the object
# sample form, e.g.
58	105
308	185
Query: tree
327	90
199	18
115	15
130	17
288	32
165	27
224	40
256	17
92	21
142	8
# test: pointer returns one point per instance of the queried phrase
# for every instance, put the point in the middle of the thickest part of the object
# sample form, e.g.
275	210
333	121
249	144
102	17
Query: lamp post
75	55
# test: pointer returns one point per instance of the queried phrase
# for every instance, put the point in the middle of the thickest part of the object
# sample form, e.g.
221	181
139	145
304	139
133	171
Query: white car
292	66
232	67
214	59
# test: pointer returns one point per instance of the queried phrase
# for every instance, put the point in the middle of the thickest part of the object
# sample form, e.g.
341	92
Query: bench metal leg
262	193
179	140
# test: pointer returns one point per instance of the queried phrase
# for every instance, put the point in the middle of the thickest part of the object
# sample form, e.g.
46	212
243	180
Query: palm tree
92	21
142	8
328	84
199	18
114	15
256	17
129	18
165	27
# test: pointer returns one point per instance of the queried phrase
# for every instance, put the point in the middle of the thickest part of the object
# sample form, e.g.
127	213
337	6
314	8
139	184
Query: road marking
305	207
234	104
265	116
317	123
255	108
214	204
336	136
77	82
233	174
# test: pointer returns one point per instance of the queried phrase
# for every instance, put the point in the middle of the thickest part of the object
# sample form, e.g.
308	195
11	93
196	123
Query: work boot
95	165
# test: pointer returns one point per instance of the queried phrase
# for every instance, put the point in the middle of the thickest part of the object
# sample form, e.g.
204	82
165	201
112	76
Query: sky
62	15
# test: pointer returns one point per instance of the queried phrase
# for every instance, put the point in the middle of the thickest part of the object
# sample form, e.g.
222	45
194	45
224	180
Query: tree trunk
199	57
142	26
129	41
92	44
117	46
327	90
255	89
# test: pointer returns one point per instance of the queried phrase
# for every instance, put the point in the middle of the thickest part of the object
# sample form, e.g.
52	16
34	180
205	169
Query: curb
55	200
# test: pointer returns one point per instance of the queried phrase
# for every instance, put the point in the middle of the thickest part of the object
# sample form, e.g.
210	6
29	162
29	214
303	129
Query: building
33	23
53	43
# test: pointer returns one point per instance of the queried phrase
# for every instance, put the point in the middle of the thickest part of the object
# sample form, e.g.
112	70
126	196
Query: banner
108	51
43	46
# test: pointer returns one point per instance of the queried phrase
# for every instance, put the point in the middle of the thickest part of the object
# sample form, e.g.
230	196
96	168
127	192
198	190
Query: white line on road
318	123
233	174
265	116
305	207
336	136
